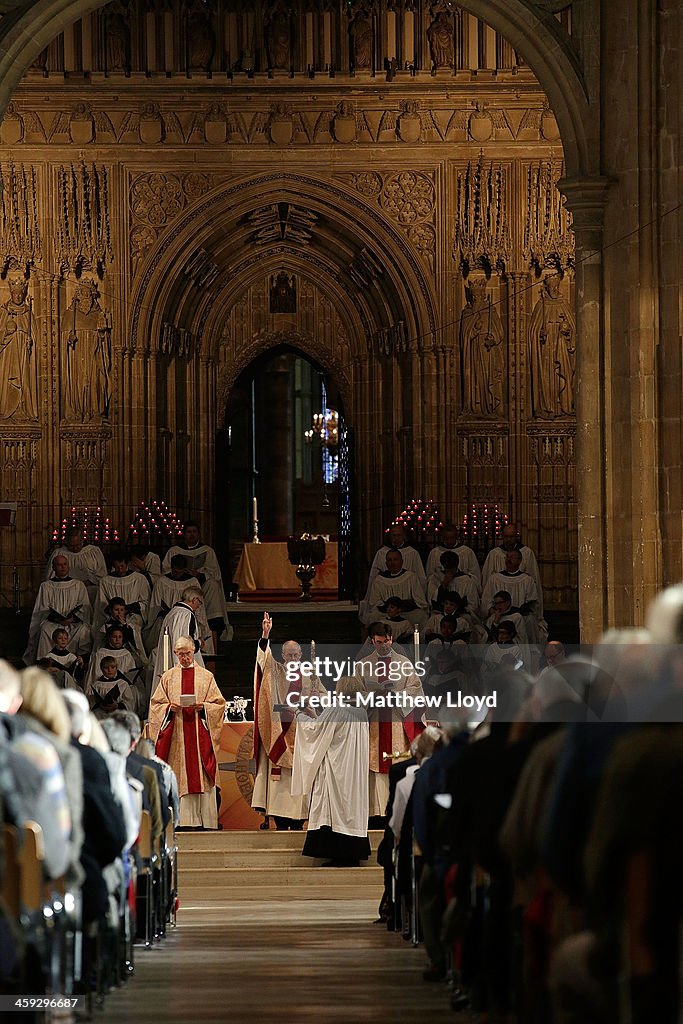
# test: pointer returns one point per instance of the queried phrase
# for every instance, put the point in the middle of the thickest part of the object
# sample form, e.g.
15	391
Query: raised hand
266	625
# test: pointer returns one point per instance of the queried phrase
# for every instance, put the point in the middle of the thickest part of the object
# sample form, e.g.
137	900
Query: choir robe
131	636
202	558
126	662
180	621
391	729
403	584
463	624
64	660
496	653
518	622
59	598
166	592
462	584
411	561
275	736
100	688
189	741
86	564
152	566
522	589
330	771
495	562
399	627
467	561
133	588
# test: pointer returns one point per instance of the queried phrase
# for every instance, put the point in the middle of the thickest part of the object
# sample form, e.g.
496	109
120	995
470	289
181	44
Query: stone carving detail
552	352
344	123
175	341
391	341
83	228
20	243
201	38
482	237
407	197
86	356
548	236
201	269
85	457
361	36
368	183
482	353
279	39
117	39
282	222
155	201
282	293
17	463
440	38
18	338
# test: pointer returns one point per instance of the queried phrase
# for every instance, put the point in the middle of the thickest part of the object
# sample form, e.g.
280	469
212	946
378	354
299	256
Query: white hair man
185	722
275	730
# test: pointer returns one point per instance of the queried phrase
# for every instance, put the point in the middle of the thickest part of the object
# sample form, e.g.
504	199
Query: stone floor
252	962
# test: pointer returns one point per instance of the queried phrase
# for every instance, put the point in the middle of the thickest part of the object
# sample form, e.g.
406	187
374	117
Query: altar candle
255	510
416	642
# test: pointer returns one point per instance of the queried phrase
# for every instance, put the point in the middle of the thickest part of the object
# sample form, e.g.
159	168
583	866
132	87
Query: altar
264	572
236	778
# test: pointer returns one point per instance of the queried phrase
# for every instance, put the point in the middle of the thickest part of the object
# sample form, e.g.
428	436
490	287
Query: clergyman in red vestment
185	722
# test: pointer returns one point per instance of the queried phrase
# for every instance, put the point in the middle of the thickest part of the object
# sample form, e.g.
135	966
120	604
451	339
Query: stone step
222	842
196	877
250	858
220	895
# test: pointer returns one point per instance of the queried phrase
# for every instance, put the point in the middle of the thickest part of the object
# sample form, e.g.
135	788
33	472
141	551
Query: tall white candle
416	642
255	513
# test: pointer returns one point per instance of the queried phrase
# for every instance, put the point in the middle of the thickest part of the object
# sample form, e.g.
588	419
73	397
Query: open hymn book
187	700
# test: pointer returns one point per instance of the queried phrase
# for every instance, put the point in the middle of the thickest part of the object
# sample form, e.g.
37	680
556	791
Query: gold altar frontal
265	572
236	778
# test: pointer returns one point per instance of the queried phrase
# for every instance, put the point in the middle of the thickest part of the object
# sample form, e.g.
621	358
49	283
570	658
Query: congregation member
495	561
61	601
391	729
130	585
411	560
185	723
330	771
86	561
452	579
34	788
275	730
448	541
523	592
202	564
395	581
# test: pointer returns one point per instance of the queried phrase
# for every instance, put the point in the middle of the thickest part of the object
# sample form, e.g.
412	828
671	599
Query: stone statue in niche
552	355
283	293
278	43
201	39
18	338
482	353
117	41
440	38
86	348
361	41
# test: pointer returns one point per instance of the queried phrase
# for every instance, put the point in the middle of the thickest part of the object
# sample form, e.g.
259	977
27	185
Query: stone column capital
586	201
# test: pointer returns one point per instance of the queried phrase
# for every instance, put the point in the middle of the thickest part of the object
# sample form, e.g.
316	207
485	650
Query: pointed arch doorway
273	446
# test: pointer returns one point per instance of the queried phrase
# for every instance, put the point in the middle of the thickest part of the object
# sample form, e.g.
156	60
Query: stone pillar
586	200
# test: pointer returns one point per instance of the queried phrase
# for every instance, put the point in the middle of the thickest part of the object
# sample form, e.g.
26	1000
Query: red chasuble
197	746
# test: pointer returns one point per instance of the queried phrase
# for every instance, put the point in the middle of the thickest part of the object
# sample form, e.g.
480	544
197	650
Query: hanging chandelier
325	429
